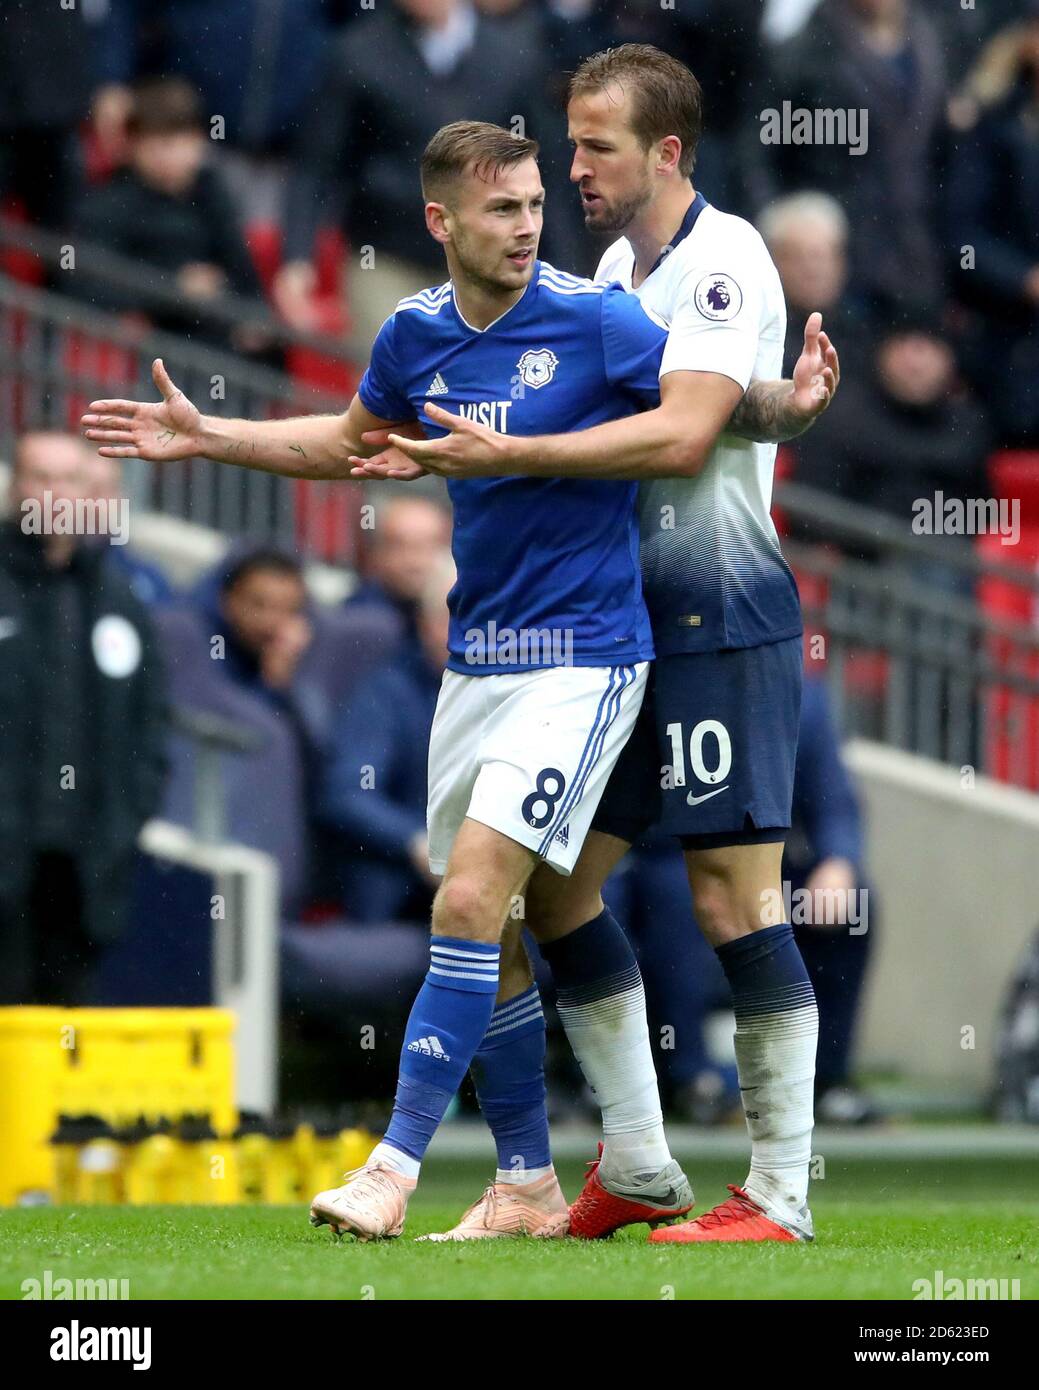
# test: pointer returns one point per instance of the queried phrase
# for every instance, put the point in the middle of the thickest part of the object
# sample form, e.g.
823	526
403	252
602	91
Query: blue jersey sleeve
633	344
382	388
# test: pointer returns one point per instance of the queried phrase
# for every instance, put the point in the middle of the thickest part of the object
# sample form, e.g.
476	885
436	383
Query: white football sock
396	1159
775	1057
521	1176
610	1039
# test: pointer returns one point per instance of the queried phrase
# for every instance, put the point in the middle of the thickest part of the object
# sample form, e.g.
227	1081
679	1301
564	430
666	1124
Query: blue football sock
509	1072
447	1023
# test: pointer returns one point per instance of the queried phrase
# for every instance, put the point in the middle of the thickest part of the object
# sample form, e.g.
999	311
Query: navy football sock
509	1072
602	1004
777	1029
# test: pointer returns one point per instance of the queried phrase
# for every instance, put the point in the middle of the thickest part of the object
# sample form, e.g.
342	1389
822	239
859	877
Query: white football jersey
713	573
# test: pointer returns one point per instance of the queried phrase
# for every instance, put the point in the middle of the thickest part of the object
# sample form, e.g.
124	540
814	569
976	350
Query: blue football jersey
548	568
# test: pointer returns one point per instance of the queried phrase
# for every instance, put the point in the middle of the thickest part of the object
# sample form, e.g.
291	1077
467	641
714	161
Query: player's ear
436	222
669	152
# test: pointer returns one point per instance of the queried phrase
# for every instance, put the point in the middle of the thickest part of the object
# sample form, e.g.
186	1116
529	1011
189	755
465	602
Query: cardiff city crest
537	368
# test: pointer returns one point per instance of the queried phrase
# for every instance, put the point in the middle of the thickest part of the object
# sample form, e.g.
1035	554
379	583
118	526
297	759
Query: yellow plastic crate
116	1063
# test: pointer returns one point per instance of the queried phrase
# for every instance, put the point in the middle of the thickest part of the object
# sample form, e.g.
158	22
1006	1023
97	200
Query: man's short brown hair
470	146
666	97
165	106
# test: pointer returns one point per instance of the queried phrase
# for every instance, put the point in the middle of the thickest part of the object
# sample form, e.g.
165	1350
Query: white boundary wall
245	950
954	867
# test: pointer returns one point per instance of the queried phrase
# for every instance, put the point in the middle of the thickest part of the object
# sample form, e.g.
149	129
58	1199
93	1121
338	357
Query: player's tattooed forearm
298	449
765	414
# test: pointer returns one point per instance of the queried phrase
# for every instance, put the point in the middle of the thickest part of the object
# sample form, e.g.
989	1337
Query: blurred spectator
721	42
823	864
105	484
994	211
82	720
902	431
262	617
169	210
807	234
397	74
685	985
194	39
881	57
259	109
785	18
374	794
976	40
263	634
402	553
47	55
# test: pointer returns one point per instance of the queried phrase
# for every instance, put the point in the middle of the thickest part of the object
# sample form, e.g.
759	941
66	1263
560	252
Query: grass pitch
882	1223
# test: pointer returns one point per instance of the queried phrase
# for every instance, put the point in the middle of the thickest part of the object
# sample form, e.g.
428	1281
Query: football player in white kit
712	757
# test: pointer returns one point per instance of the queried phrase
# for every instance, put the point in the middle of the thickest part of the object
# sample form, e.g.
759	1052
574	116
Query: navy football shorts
711	758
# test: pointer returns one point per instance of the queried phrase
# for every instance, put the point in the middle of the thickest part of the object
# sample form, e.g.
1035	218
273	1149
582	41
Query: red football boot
652	1197
740	1218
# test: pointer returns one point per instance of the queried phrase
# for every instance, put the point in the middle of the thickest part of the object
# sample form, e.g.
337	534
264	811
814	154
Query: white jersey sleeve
717	319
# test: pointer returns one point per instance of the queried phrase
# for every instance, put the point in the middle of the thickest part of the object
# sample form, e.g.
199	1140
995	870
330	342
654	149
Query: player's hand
468	450
388	462
293	294
831	884
817	373
159	431
281	655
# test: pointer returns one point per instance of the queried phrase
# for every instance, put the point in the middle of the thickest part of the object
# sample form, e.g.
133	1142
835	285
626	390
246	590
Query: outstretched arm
310	446
673	440
773	411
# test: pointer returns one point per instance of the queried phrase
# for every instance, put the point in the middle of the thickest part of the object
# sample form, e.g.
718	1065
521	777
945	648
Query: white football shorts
529	754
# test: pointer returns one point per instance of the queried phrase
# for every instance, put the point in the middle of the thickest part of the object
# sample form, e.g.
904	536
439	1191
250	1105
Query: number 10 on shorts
718	747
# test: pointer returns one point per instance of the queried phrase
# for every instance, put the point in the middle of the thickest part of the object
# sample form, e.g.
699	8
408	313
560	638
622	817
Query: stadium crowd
227	147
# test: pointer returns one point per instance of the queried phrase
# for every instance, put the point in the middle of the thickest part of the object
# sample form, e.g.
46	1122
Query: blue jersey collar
531	283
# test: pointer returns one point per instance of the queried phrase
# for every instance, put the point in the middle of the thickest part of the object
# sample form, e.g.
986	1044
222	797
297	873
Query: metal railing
913	657
154	290
56	355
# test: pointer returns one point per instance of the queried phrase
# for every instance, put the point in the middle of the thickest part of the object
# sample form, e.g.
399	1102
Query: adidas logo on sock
429	1047
437	387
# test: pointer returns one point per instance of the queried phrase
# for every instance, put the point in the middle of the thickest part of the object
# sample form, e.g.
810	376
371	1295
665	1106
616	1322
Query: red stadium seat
786	463
1012	720
1014	473
14	262
264	242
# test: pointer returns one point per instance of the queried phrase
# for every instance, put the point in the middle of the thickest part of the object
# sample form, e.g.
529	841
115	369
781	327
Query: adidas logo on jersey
429	1047
437	387
563	836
